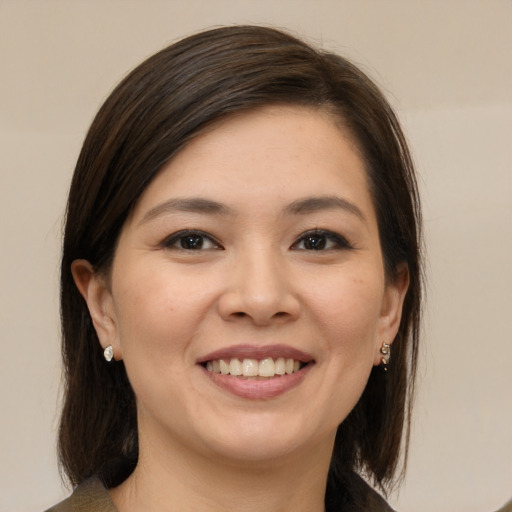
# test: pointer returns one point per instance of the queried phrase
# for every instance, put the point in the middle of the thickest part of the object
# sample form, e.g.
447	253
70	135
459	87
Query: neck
175	478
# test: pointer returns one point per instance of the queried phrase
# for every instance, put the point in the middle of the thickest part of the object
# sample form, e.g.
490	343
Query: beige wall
447	67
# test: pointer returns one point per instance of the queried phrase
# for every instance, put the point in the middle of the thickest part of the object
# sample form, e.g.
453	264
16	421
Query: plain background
446	66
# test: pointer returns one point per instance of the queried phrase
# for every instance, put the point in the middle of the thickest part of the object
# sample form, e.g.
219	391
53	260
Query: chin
265	438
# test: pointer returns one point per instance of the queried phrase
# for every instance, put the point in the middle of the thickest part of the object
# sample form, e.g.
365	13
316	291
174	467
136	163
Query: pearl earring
108	353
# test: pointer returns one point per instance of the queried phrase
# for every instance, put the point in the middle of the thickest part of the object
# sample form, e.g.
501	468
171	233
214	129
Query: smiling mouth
255	369
257	372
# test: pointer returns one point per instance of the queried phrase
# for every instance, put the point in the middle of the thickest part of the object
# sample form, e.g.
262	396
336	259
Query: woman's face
255	251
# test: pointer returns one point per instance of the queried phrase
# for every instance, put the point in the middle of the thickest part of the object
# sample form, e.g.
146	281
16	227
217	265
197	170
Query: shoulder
89	496
376	502
353	494
370	499
507	507
63	506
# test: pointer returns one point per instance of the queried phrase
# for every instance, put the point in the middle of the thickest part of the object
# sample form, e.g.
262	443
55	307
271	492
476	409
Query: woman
241	256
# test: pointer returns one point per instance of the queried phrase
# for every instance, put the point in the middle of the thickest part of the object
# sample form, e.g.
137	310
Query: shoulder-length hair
152	114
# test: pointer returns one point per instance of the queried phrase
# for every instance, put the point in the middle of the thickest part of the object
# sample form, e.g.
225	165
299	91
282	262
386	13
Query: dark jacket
92	496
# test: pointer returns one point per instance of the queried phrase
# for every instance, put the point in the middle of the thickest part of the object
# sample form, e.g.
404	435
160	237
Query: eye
191	240
320	240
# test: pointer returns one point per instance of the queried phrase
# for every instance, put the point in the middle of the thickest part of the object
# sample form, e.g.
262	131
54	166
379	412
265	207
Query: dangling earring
385	350
108	353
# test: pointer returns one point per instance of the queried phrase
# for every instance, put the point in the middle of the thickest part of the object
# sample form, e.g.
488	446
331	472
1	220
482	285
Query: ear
391	311
95	290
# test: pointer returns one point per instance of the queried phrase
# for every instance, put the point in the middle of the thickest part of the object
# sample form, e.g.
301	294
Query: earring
108	353
385	350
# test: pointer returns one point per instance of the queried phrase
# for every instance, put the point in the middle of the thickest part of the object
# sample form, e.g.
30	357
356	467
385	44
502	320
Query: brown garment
89	496
92	496
506	508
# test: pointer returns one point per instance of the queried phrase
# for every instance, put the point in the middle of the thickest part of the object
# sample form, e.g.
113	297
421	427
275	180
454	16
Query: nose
259	288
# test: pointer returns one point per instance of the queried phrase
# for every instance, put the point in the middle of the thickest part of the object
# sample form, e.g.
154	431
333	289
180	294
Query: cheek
348	311
155	316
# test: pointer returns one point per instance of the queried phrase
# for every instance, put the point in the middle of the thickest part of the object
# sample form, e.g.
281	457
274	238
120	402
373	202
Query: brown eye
191	242
320	240
314	242
188	240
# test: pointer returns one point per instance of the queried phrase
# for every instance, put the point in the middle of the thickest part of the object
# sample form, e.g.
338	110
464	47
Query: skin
255	281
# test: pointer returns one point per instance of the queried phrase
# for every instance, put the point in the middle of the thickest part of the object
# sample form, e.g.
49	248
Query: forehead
278	153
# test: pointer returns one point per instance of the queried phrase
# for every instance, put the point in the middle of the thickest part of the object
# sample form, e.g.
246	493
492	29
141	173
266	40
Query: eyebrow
193	205
315	204
210	207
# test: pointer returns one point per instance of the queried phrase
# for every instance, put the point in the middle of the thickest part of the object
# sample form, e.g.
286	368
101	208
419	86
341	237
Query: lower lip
258	389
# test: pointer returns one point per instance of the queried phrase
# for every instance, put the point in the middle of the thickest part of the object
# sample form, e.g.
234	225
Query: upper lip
257	352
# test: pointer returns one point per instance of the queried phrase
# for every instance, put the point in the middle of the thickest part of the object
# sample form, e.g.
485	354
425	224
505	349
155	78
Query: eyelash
332	240
180	237
326	241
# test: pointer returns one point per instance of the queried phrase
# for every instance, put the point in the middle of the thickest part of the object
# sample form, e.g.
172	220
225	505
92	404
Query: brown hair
154	112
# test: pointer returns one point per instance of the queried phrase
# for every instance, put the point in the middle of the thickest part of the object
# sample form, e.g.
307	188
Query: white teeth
267	367
223	367
235	367
280	366
252	368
